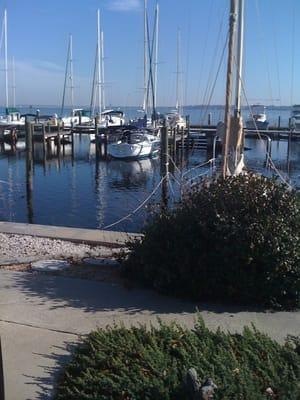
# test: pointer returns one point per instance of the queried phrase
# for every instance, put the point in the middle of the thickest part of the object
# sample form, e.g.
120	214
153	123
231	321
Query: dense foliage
141	364
237	239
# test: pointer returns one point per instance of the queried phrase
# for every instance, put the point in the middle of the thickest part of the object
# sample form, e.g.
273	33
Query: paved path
42	315
78	235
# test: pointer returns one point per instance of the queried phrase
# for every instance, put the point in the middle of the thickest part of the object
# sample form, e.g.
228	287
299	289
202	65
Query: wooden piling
28	137
97	144
29	169
188	132
164	150
279	122
105	142
174	144
164	166
209	119
58	139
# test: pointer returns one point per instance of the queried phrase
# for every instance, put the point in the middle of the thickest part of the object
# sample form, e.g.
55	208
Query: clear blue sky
38	35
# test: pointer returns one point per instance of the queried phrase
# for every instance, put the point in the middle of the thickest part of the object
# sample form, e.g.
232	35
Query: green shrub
235	240
140	364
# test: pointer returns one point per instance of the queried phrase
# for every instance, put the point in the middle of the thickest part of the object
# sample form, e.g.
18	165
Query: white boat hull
135	151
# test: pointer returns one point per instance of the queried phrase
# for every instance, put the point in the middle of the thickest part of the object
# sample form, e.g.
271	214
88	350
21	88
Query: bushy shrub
141	364
236	240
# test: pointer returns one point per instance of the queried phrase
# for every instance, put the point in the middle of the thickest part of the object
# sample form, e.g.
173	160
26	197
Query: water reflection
74	187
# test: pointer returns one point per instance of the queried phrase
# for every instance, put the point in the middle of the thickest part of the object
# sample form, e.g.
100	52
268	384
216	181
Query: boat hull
132	151
260	125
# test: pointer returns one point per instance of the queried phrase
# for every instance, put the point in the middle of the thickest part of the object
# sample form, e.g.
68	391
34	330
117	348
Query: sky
38	34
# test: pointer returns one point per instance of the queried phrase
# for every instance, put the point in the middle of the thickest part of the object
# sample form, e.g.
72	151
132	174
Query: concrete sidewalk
42	315
77	235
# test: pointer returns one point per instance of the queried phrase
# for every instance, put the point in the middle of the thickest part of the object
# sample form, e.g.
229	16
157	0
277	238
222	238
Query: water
80	191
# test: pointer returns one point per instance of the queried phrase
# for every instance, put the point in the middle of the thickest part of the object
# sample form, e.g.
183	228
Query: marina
108	167
73	184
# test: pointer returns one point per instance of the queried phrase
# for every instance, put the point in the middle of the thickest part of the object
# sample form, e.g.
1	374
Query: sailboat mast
145	105
99	63
5	58
178	72
156	56
102	70
14	81
230	62
71	71
92	105
240	42
65	80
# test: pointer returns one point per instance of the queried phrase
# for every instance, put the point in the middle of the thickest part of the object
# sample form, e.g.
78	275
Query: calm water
82	192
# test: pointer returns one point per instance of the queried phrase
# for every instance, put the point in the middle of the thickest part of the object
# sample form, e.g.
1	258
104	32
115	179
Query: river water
81	191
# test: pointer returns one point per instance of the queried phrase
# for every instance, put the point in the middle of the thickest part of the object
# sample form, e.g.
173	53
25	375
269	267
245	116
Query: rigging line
150	55
260	137
276	60
171	187
293	56
198	166
216	78
2	35
207	89
187	65
264	52
204	52
190	181
175	179
139	207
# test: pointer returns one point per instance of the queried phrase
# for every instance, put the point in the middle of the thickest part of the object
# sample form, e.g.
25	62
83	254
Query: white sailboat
175	119
105	118
134	145
12	117
78	115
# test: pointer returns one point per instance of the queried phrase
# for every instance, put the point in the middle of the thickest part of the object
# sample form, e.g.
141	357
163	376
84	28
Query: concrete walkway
42	315
77	235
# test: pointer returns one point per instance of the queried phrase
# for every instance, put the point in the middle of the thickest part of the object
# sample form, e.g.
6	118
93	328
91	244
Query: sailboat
12	117
175	119
105	117
78	115
233	141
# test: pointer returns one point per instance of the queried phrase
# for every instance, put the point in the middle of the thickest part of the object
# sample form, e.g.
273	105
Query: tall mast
230	61
240	43
156	55
5	58
92	105
71	70
99	63
178	72
14	81
145	105
102	70
68	73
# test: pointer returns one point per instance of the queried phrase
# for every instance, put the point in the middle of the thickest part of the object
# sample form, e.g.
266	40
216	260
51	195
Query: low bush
141	364
235	240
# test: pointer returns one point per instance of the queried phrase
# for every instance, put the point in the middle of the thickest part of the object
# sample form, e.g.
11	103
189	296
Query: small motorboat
134	145
258	118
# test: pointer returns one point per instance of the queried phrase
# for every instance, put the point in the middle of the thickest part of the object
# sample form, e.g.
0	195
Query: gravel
21	248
